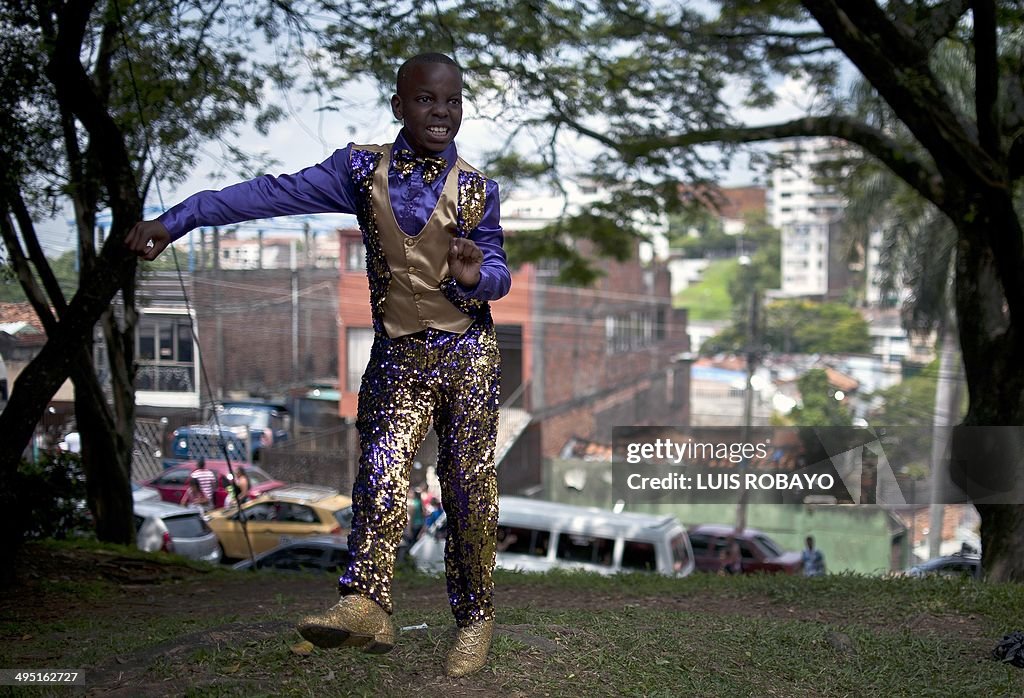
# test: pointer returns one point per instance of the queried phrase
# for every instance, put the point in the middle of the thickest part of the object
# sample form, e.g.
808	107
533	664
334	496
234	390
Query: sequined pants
451	381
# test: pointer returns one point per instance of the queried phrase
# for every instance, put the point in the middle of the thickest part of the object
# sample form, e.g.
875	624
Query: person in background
241	486
194	496
813	559
207	480
730	559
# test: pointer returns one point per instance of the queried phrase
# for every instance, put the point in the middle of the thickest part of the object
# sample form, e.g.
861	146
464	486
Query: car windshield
257	476
189	526
768	545
244	417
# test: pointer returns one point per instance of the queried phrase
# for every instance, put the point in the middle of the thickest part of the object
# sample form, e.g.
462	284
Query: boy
434	258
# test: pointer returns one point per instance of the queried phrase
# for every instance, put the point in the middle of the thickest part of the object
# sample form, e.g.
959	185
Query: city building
806	211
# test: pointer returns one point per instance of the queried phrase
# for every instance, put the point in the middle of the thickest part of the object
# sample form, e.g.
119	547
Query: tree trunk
105	458
991	345
1002	535
42	377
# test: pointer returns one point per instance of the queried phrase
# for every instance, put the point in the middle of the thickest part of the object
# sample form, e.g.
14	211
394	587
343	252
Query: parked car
536	536
958	565
173	482
758	552
314	553
203	441
265	423
280	516
144	493
168	528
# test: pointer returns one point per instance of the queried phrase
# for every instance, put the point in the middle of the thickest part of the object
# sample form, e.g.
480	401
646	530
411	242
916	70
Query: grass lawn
709	299
141	625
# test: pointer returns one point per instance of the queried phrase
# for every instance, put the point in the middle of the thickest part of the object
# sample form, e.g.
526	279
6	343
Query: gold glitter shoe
355	621
469	653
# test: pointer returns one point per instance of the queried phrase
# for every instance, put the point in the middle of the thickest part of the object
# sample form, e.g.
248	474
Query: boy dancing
434	259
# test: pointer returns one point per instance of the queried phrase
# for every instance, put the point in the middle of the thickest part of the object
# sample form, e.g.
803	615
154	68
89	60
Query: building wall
803	209
266	330
609	356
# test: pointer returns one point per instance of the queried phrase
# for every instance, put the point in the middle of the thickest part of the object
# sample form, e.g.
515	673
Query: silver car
162	526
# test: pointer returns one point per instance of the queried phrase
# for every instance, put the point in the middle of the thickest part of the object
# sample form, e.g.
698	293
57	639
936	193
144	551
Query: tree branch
896	65
36	254
24	271
933	23
903	161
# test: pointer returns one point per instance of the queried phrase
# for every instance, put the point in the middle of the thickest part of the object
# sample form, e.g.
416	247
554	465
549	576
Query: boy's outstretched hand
464	260
148	239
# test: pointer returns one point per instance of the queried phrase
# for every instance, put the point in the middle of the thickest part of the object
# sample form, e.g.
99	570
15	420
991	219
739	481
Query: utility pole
295	312
217	315
753	356
947	407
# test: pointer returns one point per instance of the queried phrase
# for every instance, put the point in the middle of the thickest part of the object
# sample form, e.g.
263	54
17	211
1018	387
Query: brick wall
247	320
588	386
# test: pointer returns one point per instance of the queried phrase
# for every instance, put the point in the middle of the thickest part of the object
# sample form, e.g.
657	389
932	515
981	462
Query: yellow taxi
279	516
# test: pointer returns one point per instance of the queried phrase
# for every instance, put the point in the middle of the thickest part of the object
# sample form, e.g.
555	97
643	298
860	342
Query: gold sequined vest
411	288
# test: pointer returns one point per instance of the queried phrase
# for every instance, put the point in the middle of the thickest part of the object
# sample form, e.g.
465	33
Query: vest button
408	242
387	275
412	270
417	296
425	323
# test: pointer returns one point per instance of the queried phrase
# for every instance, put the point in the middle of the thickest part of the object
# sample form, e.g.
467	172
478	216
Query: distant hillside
709	299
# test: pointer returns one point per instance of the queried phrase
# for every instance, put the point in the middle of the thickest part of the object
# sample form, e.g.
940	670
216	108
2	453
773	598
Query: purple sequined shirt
328	188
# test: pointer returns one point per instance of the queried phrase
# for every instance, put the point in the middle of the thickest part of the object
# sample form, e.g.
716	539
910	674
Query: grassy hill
144	625
709	299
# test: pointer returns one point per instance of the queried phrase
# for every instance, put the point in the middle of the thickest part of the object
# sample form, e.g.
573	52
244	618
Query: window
747	550
259	512
360	340
768	545
355	255
523	541
296	513
639	555
680	555
590	549
178	476
633	330
164	348
699	543
295	558
191	526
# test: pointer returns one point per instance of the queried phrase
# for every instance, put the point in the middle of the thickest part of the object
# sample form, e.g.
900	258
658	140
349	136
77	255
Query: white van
536	536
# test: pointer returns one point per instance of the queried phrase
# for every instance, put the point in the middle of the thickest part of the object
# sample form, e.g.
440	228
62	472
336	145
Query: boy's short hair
421	59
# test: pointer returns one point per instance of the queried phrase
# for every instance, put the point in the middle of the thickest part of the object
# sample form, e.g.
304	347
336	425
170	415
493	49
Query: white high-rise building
804	210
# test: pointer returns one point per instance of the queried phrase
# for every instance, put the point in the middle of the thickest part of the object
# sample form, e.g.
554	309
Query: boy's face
429	100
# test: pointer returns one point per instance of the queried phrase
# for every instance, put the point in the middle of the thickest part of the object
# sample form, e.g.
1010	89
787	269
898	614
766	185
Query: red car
173	482
758	552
